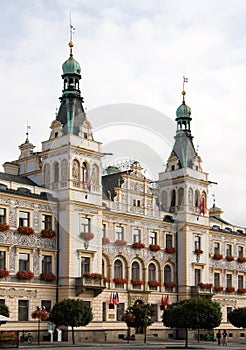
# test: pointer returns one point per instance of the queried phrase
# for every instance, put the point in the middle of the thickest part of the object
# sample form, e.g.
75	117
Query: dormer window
85	135
173	167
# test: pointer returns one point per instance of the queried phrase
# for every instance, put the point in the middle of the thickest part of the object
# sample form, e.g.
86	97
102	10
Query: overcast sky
133	53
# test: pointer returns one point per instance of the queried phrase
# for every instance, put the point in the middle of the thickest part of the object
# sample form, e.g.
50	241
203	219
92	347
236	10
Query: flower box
154	247
25	230
169	284
105	240
241	259
106	279
137	282
24	275
47	277
170	250
154	283
4	227
230	289
40	314
217	257
218	288
205	285
120	242
229	258
87	236
4	273
48	233
93	275
138	245
119	280
198	251
241	290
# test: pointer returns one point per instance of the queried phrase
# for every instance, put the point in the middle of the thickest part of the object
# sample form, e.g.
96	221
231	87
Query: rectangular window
228	310
2	301
228	250
46	264
136	235
216	279
154	318
24	218
119	311
152	237
85	224
216	248
2	260
197	241
240	251
240	281
23	309
197	276
85	265
228	280
169	241
119	233
24	262
46	222
2	216
46	304
103	230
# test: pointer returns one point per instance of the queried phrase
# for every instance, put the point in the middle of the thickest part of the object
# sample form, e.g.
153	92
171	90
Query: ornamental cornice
18	293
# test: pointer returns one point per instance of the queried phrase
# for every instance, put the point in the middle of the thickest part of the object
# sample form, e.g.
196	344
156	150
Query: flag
116	298
164	300
202	206
185	80
111	299
88	182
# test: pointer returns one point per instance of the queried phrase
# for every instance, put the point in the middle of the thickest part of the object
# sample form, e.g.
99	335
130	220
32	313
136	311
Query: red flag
116	299
164	300
202	206
88	182
111	299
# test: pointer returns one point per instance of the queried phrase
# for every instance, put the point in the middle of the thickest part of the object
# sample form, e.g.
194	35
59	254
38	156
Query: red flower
24	230
93	275
47	277
106	279
170	250
4	227
137	282
241	290
120	242
87	236
198	251
205	285
229	258
48	233
169	284
241	259
105	240
154	283
138	245
230	289
24	275
119	280
3	273
154	247
40	314
218	288
217	257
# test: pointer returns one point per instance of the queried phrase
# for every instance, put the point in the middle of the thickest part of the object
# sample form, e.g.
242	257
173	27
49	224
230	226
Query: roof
184	150
17	178
109	182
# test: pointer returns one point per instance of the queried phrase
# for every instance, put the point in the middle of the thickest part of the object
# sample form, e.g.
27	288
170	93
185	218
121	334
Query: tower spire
185	80
72	29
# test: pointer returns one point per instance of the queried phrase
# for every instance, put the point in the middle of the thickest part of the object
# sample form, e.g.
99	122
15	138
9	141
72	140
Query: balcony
84	283
197	291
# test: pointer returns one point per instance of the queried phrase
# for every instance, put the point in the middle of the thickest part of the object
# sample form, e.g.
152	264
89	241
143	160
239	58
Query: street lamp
41	314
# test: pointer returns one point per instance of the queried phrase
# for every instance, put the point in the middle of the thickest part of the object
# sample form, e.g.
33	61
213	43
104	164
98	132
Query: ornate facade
69	232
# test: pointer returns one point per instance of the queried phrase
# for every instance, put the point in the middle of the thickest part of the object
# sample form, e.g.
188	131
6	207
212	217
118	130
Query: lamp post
41	314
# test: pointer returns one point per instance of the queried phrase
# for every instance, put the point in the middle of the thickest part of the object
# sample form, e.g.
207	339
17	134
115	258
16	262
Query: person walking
218	336
224	337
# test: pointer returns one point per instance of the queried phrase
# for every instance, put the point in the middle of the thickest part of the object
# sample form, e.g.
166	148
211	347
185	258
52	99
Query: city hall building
70	229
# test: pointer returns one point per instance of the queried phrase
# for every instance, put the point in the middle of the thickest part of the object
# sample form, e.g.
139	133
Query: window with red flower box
217	256
169	284
230	289
47	277
218	288
119	280
138	245
154	247
137	282
170	250
229	258
24	275
25	230
48	233
154	283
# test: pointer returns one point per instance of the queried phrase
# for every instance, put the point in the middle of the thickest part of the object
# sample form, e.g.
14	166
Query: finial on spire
213	195
27	133
185	80
72	29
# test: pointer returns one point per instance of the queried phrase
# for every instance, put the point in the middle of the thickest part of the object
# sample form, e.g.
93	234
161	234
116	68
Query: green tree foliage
237	317
139	315
194	313
71	312
4	310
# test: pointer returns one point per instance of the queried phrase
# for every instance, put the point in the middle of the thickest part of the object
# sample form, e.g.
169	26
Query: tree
237	317
194	313
4	311
139	315
71	312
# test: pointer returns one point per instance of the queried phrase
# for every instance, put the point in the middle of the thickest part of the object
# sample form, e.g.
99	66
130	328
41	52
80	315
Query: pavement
123	345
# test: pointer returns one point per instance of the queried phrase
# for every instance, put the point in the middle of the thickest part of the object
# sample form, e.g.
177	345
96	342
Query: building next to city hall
67	231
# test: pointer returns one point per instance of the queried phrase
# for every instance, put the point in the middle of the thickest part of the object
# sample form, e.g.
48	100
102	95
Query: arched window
56	172
197	198
47	175
173	201
135	271
152	272
118	269
167	273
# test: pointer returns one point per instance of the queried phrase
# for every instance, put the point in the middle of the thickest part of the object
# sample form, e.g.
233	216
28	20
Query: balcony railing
85	283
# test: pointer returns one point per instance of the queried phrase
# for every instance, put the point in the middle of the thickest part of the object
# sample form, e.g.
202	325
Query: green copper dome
183	111
71	66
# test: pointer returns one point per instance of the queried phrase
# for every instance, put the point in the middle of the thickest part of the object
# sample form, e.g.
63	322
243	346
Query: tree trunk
145	334
73	340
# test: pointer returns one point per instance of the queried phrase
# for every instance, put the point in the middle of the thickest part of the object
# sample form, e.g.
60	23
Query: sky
133	56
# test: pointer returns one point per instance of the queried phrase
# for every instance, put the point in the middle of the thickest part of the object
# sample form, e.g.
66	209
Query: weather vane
72	29
185	80
28	127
